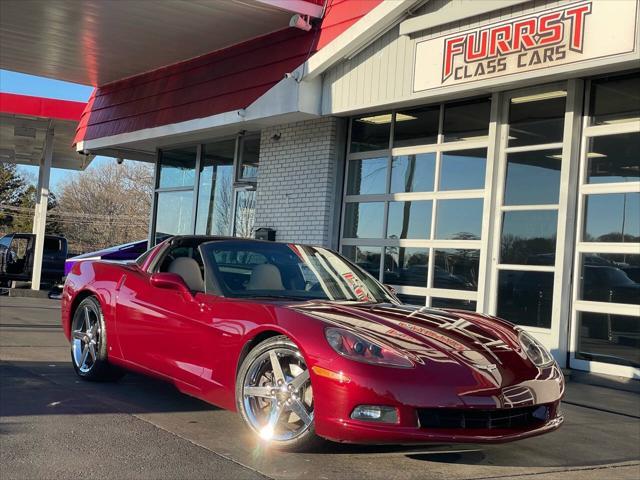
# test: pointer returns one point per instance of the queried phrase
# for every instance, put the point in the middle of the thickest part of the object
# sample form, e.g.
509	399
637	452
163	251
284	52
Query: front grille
504	418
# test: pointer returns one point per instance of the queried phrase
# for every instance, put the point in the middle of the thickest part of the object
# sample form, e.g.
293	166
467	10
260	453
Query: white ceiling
94	42
22	140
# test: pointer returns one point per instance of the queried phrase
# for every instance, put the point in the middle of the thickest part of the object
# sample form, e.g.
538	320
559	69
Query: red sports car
305	344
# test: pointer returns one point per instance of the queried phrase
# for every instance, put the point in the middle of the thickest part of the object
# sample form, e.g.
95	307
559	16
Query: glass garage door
606	296
415	198
528	277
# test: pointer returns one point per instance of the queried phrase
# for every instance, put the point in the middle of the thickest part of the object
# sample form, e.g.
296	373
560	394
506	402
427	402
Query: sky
13	82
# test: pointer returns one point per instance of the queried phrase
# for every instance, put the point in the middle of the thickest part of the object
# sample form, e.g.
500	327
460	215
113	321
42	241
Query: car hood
408	327
427	335
477	356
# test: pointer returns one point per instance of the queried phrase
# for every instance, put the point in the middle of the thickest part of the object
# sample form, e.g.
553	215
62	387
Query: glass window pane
614	158
536	122
249	157
406	266
174	211
456	269
463	170
614	217
245	213
215	195
525	298
367	176
413	173
409	220
529	237
466	121
533	178
367	258
452	303
615	99
364	220
370	132
609	338
459	219
417	300
416	127
610	278
177	168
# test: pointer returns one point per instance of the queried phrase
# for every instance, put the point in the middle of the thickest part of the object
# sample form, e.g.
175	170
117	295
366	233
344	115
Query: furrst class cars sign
570	33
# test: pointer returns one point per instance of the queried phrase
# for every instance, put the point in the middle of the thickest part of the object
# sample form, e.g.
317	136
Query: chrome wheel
86	338
277	396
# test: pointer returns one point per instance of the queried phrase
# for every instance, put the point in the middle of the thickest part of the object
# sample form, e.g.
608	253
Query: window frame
582	247
437	194
238	184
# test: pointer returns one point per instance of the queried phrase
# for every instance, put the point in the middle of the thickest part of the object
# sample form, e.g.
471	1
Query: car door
165	331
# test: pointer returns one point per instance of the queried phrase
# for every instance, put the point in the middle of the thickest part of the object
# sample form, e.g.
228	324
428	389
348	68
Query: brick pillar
300	181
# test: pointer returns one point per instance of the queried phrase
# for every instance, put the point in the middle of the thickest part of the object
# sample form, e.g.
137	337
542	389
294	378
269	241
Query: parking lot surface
54	426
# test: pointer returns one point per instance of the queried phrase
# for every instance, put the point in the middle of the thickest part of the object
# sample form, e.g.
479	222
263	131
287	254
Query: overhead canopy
24	123
96	42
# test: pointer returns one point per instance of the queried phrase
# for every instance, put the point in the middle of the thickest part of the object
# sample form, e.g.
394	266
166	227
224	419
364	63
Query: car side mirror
391	290
171	281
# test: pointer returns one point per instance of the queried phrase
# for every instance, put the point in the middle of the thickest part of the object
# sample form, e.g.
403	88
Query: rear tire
285	418
89	343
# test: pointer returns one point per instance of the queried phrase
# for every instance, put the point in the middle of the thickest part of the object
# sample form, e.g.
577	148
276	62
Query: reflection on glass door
414	200
208	189
606	297
173	212
215	195
531	211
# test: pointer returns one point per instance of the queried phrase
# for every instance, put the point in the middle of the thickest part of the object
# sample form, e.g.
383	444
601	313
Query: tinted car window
52	245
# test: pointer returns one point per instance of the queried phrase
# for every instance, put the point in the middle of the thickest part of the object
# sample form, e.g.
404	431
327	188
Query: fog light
375	413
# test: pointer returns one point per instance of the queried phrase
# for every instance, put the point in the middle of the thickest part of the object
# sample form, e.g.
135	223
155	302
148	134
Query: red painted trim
224	80
15	104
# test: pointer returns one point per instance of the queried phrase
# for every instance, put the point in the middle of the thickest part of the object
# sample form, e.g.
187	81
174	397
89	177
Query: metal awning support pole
42	202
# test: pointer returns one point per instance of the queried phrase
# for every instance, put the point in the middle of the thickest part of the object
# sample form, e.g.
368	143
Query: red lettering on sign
530	33
577	16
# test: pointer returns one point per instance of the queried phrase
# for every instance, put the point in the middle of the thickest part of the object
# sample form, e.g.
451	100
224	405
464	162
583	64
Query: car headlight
357	348
535	351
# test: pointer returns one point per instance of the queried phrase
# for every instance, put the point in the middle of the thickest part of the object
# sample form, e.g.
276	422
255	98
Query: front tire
89	343
274	395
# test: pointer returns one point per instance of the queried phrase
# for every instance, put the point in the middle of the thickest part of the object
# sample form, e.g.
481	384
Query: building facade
469	155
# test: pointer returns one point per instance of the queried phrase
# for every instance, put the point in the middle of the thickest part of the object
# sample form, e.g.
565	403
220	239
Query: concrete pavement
55	426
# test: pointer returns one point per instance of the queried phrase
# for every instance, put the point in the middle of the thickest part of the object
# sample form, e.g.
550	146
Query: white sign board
567	34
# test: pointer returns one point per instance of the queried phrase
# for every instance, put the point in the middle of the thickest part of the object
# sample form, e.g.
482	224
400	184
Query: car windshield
287	271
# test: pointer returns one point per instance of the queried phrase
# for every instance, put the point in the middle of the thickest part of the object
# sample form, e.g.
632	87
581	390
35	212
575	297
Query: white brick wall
300	180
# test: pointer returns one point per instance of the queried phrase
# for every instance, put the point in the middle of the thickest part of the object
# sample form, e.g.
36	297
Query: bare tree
106	206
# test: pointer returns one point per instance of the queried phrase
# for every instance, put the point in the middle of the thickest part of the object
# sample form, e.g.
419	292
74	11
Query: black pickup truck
16	258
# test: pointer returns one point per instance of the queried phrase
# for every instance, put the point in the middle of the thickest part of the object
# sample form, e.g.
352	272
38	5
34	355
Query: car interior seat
190	272
265	276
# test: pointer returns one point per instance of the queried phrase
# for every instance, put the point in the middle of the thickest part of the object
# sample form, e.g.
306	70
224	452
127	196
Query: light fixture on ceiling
386	118
301	22
589	155
539	96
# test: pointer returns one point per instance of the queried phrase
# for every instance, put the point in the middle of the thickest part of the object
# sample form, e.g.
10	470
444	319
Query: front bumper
351	431
335	401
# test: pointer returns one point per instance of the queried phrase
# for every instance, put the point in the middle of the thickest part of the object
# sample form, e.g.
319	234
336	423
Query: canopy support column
42	202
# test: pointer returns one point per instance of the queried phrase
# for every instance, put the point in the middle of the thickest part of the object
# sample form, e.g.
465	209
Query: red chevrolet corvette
304	344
